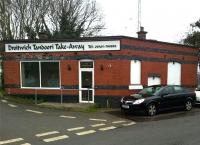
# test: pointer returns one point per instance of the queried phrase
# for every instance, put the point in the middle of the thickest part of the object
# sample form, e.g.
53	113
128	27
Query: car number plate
125	106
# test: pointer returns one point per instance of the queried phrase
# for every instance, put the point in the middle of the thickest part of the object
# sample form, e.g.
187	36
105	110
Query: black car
167	97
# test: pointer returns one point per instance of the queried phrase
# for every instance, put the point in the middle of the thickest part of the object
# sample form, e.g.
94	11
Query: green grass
18	99
87	109
21	100
2	93
30	101
92	108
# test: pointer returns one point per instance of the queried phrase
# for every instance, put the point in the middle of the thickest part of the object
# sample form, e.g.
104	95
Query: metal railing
61	94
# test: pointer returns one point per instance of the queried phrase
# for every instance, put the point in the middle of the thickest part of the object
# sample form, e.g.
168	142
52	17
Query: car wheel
151	110
188	105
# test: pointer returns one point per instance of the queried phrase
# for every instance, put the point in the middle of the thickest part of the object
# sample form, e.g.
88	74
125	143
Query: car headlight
139	101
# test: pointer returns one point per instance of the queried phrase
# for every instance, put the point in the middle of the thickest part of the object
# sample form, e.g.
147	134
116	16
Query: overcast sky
164	20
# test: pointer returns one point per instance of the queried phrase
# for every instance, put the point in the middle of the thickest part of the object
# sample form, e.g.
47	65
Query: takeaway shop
94	70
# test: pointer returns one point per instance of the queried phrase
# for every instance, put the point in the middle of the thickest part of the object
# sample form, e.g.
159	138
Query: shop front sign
63	46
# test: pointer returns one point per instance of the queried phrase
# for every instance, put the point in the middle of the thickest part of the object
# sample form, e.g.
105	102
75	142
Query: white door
174	73
154	81
86	82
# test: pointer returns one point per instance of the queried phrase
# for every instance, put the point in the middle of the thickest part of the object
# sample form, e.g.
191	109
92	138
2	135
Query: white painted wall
135	72
174	73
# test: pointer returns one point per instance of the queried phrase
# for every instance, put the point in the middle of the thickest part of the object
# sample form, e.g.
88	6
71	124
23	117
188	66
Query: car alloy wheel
188	105
151	110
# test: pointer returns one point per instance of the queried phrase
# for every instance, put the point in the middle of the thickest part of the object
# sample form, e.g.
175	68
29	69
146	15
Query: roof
99	38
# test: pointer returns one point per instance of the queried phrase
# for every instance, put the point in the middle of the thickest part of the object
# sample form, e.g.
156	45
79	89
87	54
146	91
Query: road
30	125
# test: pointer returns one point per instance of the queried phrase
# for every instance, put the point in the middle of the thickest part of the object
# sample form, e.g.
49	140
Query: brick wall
111	68
11	71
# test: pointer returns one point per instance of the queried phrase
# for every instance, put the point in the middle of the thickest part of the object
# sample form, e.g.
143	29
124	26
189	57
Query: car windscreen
149	90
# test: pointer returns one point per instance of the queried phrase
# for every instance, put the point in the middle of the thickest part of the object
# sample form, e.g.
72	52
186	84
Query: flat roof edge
97	38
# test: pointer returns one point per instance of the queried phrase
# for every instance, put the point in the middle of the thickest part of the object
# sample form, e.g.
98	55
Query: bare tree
5	23
28	17
75	18
20	19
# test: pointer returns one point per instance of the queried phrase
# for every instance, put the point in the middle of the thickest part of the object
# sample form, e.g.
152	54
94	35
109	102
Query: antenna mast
139	14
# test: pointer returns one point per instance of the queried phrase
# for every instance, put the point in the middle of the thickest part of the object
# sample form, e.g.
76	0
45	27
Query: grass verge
77	107
18	99
88	108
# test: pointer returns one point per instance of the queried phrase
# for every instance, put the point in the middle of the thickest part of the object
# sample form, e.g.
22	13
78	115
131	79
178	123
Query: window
86	79
40	74
50	74
168	90
86	64
30	74
174	73
178	89
135	75
148	90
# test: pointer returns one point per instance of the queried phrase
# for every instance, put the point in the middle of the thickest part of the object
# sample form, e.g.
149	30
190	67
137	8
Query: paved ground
30	125
38	125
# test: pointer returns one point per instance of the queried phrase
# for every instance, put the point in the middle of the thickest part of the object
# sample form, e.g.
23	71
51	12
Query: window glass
198	88
30	74
148	90
178	89
87	95
50	74
168	90
86	64
86	79
34	76
159	91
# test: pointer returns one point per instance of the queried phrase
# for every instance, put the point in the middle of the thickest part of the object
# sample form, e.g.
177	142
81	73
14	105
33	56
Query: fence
61	94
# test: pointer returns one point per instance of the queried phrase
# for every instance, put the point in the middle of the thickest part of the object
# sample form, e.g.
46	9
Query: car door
179	96
167	98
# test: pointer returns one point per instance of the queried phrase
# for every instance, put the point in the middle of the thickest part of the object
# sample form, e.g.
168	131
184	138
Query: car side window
178	89
168	90
198	88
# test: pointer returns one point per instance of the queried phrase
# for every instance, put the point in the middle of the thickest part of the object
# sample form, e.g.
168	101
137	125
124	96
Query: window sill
135	87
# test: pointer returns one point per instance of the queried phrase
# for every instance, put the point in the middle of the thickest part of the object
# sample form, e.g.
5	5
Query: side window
178	89
168	90
198	88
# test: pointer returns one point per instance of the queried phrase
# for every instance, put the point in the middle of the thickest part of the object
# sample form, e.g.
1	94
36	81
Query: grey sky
165	20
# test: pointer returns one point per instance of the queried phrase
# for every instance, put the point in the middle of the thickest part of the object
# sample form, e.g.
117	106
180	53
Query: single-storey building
94	70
